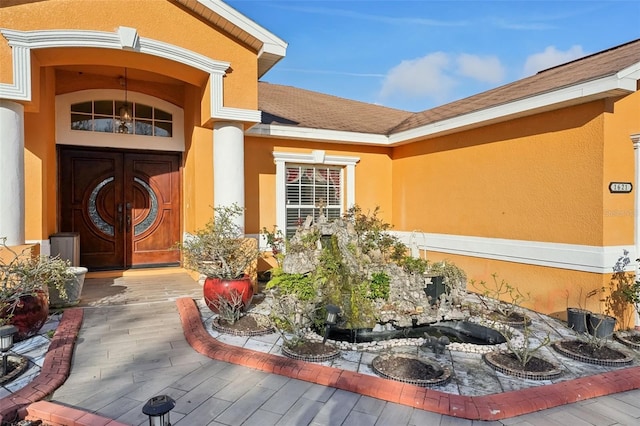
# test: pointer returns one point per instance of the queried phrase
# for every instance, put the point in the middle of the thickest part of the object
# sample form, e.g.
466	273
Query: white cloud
550	58
422	77
486	69
437	74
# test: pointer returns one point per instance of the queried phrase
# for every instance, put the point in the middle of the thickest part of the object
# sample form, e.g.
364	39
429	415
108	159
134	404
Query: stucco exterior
519	188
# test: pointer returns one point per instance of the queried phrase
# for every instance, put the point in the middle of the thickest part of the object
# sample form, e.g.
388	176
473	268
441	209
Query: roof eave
605	87
273	47
614	85
321	135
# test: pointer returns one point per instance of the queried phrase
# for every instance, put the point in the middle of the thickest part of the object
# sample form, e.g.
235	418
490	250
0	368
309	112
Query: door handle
119	217
128	205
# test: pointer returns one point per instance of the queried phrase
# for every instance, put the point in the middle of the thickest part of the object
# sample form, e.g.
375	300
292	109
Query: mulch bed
311	351
592	354
247	325
631	339
535	369
410	369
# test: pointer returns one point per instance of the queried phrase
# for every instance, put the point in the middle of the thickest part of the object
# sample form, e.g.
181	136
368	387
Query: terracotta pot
30	315
214	288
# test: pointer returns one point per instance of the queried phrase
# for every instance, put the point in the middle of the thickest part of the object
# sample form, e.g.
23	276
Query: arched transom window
104	116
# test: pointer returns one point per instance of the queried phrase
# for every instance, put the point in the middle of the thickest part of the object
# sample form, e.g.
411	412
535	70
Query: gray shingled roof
298	107
303	108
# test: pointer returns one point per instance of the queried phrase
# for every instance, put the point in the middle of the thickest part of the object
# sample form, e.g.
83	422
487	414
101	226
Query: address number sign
620	187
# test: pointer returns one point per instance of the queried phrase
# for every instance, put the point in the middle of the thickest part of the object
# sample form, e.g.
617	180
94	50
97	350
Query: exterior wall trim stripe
573	257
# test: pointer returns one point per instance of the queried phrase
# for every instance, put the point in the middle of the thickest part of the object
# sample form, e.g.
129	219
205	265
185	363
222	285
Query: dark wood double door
124	205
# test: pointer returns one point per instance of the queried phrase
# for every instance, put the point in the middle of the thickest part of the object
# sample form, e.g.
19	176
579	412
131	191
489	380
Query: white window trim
314	157
66	136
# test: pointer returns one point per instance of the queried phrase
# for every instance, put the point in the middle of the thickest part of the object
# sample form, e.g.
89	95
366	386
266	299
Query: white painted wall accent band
555	255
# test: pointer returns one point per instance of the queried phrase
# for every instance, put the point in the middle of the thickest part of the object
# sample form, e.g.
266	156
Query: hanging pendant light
125	109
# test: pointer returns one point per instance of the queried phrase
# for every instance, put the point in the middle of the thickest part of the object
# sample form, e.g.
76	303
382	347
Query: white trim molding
573	257
314	157
320	135
66	136
124	38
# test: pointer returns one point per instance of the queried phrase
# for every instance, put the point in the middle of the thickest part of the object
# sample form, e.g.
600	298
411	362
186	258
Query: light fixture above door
125	110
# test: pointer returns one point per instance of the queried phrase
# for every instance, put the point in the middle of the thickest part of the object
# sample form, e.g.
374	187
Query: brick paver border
26	402
486	407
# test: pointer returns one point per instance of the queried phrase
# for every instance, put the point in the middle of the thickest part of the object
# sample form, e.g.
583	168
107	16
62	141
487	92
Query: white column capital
635	139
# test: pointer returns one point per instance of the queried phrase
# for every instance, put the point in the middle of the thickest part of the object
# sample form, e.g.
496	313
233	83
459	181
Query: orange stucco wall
158	20
372	180
621	119
535	178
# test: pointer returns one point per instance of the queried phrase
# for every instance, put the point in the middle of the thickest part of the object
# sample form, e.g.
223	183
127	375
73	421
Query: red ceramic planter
215	287
30	315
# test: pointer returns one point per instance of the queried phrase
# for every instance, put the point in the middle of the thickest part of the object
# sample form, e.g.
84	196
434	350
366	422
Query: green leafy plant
373	233
449	270
379	286
219	250
297	284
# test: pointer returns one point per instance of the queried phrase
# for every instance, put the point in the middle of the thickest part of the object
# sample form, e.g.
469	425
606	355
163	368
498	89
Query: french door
125	205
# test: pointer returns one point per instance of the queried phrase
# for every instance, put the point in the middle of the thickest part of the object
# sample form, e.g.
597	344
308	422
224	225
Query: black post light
158	408
6	343
332	319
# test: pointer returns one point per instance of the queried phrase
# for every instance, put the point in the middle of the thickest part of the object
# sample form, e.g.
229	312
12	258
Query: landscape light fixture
332	319
6	343
125	109
158	408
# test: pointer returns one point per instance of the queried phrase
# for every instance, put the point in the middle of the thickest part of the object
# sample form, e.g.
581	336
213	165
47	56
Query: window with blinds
310	191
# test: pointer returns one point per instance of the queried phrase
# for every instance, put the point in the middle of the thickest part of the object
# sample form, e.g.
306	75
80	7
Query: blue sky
415	55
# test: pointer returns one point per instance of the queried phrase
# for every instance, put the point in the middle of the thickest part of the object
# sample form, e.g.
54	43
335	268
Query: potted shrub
69	293
221	253
24	283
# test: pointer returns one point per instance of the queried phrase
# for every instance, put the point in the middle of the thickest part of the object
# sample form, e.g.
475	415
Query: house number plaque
620	187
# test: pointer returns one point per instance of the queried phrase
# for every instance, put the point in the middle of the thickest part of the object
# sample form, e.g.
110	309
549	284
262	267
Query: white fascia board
574	257
271	43
572	94
632	72
307	133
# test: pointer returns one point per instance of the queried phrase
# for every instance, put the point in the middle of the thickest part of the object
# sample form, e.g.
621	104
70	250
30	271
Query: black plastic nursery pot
600	325
577	319
435	289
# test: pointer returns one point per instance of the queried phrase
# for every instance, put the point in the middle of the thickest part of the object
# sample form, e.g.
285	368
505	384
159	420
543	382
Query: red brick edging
486	407
54	371
26	402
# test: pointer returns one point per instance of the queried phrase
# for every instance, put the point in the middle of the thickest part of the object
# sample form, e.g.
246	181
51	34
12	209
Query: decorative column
228	166
12	172
636	208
